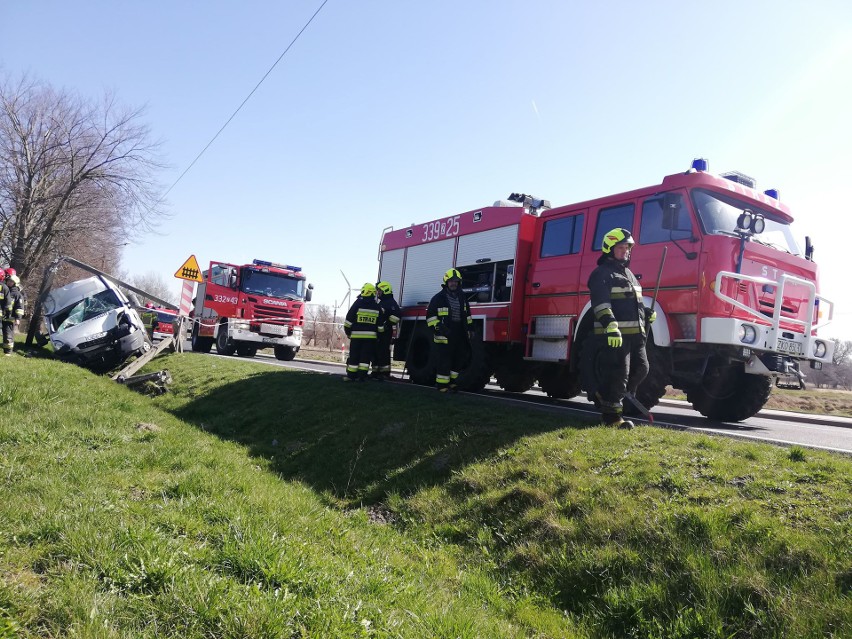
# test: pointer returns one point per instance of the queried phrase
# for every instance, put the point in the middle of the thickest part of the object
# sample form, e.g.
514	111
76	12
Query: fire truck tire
729	394
513	374
421	368
246	350
653	387
200	344
285	353
477	373
223	345
559	382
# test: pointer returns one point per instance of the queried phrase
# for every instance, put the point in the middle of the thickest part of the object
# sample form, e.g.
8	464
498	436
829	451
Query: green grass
259	502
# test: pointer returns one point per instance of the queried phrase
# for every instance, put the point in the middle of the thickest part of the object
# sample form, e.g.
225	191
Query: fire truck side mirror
232	280
309	293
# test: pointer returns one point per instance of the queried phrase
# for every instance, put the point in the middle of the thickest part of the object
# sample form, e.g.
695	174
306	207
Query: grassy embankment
251	502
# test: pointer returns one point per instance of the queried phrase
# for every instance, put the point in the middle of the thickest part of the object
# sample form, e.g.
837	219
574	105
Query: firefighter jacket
616	297
14	304
439	315
5	299
391	313
364	319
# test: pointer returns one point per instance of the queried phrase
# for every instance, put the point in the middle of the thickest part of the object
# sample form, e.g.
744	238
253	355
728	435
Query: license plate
786	346
270	340
273	329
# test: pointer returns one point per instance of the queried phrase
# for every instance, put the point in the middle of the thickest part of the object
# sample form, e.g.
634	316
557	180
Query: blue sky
390	113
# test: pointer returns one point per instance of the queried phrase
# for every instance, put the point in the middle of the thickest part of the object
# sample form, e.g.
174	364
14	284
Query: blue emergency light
700	164
295	269
773	193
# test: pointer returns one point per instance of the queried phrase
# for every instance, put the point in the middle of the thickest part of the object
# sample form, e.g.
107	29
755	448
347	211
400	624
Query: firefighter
362	326
449	315
391	316
13	309
620	328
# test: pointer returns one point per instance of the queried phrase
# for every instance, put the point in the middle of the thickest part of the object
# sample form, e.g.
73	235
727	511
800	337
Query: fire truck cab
737	299
242	308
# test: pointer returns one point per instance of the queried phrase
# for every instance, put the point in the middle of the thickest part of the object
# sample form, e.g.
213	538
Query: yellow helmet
368	290
452	274
385	288
615	236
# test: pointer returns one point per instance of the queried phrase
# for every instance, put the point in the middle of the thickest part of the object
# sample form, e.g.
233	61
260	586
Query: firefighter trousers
382	356
619	370
450	357
360	355
8	336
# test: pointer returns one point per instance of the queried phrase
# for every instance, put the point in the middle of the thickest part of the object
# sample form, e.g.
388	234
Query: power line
242	104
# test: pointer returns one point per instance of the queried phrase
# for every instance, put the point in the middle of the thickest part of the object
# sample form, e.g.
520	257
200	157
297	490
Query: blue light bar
700	164
773	193
295	269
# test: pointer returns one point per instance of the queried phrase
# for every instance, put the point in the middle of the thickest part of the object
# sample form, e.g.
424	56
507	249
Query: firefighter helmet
385	288
452	274
615	236
10	271
368	290
2	274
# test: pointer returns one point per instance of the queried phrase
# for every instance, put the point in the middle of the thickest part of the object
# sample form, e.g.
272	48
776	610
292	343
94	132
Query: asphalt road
783	428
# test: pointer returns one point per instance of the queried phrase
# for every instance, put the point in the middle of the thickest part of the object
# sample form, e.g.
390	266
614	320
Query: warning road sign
190	270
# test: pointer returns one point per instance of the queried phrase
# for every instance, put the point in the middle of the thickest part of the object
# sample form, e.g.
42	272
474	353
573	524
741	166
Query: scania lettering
243	308
738	303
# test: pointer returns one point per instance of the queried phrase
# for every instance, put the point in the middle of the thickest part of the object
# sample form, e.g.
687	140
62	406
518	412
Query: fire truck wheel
285	353
200	344
223	344
477	373
245	350
653	387
513	374
729	394
559	382
421	369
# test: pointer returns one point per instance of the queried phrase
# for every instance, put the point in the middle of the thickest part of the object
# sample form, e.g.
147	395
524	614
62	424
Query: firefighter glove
613	335
652	316
348	332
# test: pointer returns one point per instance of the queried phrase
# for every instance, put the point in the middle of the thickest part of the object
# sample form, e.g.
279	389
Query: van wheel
729	394
223	344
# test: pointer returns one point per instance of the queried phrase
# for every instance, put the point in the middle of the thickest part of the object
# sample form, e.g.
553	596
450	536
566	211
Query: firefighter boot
615	419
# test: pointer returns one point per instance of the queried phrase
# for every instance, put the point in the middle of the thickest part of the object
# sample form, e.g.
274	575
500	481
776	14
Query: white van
92	323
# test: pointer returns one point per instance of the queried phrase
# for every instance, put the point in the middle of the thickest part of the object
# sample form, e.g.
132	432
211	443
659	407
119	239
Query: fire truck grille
272	312
769	307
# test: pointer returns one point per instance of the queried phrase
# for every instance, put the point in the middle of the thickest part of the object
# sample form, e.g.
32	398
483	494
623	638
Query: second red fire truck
737	301
242	308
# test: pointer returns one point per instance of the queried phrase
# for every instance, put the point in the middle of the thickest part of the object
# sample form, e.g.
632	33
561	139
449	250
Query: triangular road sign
190	270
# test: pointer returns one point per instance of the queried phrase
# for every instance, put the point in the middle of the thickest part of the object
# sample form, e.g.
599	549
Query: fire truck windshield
272	285
718	214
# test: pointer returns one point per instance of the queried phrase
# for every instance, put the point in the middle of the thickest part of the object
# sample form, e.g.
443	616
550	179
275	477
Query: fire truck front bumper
269	334
762	340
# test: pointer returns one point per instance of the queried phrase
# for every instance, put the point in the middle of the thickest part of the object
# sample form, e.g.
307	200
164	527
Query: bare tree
76	178
154	284
320	327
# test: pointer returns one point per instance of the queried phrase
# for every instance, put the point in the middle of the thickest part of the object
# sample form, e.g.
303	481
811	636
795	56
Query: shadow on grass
360	441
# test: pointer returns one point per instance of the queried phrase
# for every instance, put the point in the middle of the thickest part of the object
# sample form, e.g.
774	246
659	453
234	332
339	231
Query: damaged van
92	323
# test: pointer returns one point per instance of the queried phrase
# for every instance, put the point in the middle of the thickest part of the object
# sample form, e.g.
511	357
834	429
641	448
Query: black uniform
616	297
13	311
449	315
391	315
362	326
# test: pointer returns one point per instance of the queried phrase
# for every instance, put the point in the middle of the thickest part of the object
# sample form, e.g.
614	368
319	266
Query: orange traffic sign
190	270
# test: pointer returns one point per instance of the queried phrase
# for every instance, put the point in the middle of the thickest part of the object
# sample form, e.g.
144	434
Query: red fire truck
737	299
244	308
